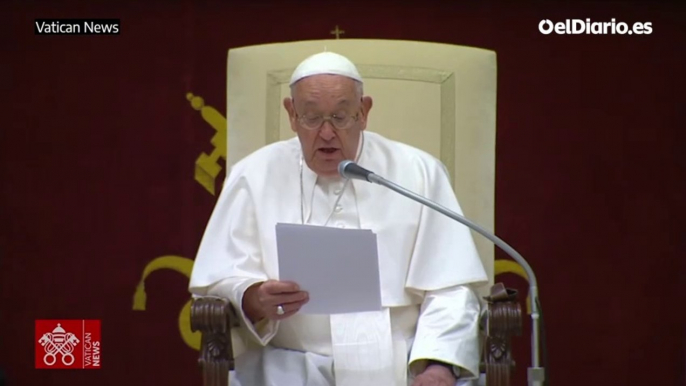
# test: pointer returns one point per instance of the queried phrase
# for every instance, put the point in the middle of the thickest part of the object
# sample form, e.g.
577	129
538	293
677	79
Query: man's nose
326	132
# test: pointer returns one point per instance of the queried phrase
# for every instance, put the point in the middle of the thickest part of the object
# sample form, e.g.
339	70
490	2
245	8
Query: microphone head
342	167
350	170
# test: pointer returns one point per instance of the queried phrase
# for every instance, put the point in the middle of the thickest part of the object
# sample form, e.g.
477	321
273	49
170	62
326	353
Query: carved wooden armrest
502	321
214	317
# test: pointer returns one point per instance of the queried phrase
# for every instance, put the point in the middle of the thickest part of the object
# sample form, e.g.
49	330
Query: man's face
334	97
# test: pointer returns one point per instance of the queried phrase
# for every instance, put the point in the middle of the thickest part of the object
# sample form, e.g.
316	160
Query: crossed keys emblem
58	342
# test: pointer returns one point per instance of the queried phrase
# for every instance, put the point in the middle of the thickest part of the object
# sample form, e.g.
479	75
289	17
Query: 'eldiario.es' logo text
579	26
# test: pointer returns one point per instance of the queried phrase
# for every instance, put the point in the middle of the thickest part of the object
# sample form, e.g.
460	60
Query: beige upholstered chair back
440	98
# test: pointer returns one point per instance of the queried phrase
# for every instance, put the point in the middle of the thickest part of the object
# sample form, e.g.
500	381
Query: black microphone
350	170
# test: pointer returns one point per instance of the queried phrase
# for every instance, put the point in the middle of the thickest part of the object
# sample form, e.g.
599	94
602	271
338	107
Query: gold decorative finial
196	102
338	32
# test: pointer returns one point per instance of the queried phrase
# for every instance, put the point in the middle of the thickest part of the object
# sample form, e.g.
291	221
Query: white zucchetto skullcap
325	63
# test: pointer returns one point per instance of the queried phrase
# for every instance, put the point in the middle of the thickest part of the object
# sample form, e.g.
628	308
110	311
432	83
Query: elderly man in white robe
428	331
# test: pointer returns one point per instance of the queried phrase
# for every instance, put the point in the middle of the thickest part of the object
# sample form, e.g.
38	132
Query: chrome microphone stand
535	373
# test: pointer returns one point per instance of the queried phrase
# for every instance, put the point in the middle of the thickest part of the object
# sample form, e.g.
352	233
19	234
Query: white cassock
428	265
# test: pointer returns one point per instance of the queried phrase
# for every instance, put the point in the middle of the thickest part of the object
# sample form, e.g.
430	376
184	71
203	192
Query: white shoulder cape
419	248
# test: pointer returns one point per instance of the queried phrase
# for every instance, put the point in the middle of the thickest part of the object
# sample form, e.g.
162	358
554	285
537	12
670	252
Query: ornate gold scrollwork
207	167
182	265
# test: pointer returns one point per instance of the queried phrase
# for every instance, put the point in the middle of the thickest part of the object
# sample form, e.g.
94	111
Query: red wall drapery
98	145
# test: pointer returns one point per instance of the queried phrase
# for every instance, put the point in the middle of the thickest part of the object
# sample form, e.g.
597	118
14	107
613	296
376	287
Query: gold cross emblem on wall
338	32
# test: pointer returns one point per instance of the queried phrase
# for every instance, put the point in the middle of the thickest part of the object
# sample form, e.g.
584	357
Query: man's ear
366	105
288	105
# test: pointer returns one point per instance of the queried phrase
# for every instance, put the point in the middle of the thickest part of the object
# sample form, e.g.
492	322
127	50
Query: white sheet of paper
339	268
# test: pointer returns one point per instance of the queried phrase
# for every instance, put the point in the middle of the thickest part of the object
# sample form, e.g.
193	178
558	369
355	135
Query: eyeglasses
340	122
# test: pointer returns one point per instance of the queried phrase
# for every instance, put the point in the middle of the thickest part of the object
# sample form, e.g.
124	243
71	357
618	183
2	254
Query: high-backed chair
437	97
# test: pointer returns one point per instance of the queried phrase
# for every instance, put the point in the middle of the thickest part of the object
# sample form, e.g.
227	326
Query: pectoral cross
337	32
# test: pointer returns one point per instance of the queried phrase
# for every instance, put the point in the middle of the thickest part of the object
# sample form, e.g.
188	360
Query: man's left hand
435	375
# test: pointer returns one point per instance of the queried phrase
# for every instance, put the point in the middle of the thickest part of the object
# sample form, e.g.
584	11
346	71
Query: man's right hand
262	299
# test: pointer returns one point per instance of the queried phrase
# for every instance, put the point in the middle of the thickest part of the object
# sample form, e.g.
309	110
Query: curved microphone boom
350	170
